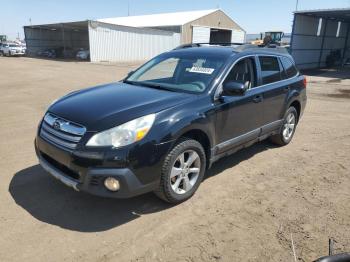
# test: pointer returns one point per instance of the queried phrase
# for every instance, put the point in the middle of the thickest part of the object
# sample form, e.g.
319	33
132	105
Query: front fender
174	123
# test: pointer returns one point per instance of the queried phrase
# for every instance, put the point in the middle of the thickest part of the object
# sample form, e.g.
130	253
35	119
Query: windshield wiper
149	84
129	82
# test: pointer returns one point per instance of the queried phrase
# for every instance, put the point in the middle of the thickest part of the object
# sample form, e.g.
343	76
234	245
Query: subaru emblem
56	125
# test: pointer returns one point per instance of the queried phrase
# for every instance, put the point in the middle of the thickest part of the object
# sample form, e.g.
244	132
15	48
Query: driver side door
239	118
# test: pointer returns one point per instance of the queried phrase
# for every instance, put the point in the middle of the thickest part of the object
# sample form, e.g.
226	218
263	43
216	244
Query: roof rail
207	44
238	47
270	47
186	46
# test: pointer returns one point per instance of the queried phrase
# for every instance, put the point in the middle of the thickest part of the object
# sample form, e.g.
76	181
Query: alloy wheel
185	171
289	126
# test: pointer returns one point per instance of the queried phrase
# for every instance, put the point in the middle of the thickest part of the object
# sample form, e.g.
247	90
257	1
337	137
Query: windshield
178	72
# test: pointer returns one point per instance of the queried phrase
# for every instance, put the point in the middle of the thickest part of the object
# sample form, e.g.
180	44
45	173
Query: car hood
106	106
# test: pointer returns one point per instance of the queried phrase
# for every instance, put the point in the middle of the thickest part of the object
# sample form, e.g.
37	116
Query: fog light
112	184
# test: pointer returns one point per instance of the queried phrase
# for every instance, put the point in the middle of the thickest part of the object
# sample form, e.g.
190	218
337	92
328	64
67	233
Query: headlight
124	134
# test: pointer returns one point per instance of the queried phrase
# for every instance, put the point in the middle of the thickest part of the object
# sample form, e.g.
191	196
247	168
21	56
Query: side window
244	72
270	69
289	67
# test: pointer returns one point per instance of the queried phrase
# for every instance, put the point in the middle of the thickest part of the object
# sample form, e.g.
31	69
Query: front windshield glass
179	72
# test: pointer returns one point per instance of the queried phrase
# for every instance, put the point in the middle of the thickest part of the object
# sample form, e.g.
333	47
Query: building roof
78	25
154	20
342	14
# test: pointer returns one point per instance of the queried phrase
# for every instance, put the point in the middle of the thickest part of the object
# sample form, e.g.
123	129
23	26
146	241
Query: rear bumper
303	104
85	175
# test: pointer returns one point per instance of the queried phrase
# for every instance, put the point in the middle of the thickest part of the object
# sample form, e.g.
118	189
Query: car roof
207	50
228	50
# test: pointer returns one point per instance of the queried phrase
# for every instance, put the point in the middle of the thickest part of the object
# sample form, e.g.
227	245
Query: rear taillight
305	82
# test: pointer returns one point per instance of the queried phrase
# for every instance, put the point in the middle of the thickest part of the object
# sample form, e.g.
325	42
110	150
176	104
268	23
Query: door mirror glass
233	88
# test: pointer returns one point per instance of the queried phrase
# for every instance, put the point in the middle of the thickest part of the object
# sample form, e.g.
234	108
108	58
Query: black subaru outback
161	127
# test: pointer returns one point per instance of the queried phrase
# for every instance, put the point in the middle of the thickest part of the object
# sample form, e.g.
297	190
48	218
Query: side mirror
232	88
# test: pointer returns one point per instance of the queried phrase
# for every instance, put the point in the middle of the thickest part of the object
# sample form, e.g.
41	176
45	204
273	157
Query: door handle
286	89
257	99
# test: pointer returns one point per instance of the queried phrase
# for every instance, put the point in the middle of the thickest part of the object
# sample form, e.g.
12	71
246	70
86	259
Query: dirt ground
249	208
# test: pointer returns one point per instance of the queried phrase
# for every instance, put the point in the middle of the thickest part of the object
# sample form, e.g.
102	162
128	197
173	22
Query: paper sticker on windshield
201	70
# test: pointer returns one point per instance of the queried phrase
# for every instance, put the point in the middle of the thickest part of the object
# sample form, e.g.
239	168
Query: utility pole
296	5
128	7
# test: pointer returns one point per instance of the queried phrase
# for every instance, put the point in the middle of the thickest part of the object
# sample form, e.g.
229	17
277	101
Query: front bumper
15	53
88	175
82	57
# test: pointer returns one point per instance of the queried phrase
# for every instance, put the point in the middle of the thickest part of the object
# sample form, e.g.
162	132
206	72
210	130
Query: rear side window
289	67
270	69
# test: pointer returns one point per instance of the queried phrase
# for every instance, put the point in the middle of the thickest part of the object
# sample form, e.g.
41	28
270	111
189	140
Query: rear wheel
287	130
182	171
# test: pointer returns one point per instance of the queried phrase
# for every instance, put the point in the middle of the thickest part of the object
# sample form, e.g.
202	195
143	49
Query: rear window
289	67
270	69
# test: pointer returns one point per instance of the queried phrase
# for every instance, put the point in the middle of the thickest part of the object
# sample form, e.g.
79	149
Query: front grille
61	132
67	171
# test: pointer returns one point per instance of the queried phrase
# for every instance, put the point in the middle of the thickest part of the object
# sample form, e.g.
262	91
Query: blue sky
253	15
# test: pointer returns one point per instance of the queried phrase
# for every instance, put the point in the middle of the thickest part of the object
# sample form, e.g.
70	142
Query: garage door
200	34
238	36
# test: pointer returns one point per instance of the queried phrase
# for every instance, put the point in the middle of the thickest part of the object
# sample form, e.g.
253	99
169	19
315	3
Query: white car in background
1	45
83	55
11	49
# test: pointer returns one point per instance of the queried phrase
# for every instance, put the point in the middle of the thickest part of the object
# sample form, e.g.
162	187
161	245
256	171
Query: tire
1	53
177	182
290	121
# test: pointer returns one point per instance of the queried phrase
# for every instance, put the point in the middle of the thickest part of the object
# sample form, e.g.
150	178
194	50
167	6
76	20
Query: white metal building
110	42
106	42
132	38
316	33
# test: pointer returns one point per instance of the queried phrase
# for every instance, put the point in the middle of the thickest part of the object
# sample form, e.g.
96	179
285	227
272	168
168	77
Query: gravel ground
248	208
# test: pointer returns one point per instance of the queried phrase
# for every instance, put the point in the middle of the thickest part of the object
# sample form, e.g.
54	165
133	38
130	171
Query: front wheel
182	171
287	130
